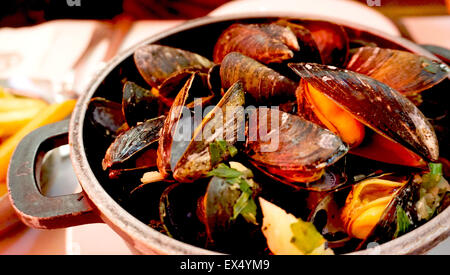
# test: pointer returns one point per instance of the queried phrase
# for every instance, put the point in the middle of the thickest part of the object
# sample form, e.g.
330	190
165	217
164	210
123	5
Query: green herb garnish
436	169
306	237
224	171
429	180
403	222
244	205
219	150
432	190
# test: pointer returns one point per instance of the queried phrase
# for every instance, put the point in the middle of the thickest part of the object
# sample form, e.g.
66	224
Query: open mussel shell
331	40
156	62
178	207
177	130
267	43
170	88
133	141
403	71
139	104
386	228
106	117
262	83
224	122
289	148
393	118
326	217
169	130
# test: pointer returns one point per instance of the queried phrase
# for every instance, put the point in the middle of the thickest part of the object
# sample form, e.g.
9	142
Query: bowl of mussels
259	136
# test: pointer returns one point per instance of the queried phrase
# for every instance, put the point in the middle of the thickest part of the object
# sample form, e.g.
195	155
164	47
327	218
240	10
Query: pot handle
33	208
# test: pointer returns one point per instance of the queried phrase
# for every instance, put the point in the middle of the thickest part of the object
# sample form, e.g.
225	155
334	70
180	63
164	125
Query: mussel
135	140
156	62
289	148
140	104
366	203
175	82
106	117
326	216
225	122
166	161
309	51
228	208
267	43
178	212
261	82
331	40
403	71
345	102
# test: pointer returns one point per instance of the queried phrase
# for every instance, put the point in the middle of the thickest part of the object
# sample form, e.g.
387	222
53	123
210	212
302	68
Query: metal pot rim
148	240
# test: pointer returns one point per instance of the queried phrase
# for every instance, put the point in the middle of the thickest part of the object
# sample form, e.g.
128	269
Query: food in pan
290	138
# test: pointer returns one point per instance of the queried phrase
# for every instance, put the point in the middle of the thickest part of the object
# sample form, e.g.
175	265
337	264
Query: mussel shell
437	111
290	148
224	122
403	71
309	52
386	228
441	52
326	218
106	117
219	200
171	86
262	83
139	104
267	43
156	62
374	104
132	141
214	82
169	129
224	232
332	41
143	200
199	88
178	212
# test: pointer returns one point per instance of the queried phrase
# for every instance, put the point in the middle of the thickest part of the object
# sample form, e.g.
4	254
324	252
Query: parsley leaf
223	171
429	180
244	205
403	222
219	150
248	212
232	150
